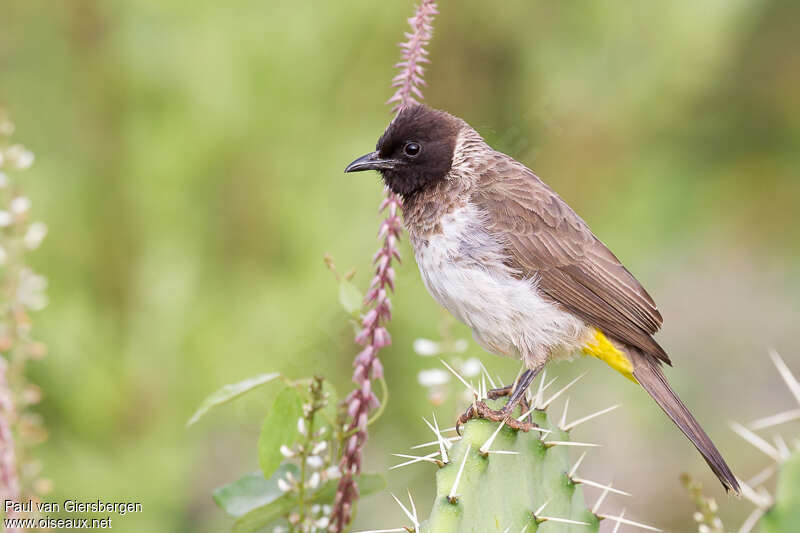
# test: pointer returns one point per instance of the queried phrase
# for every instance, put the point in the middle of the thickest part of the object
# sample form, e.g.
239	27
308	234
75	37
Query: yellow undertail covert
603	349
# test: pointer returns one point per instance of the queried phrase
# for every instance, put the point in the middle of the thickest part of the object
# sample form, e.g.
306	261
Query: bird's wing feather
547	240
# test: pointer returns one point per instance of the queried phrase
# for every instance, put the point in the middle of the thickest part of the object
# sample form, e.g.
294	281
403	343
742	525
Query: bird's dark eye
412	149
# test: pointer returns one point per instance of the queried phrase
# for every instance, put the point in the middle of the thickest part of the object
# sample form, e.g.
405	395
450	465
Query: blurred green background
189	166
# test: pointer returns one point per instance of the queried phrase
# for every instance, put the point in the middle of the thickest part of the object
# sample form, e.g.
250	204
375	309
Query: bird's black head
415	151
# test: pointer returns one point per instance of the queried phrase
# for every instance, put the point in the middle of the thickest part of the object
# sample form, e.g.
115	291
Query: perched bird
500	250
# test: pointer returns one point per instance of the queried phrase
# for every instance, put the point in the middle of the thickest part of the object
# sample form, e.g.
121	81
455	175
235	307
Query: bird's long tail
647	371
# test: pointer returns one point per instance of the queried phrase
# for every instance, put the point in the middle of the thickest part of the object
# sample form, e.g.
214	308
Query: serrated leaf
367	484
252	491
280	427
350	297
230	392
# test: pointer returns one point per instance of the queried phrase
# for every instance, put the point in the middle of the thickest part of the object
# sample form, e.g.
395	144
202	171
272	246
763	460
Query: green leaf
350	297
259	517
280	427
252	491
230	392
367	484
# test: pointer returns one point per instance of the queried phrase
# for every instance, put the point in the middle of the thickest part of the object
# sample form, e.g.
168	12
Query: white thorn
414	459
540	392
752	520
786	374
502	452
782	448
443	445
600	499
619	519
761	500
562	520
486	372
600	486
550	443
756	441
616	526
452	495
408	513
586	418
484	389
537	516
525	528
413	507
774	420
456	374
446	442
763	476
488	444
449	440
540	509
577	464
506	530
562	391
563	422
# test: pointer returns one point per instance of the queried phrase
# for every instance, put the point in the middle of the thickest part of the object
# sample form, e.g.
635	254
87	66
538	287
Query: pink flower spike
374	335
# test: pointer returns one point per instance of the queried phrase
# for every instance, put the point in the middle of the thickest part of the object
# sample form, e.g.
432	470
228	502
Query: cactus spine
500	479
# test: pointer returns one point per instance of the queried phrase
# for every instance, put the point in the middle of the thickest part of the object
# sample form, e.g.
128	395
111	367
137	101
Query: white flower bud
286	451
35	235
301	426
332	472
432	377
19	157
426	347
284	485
315	461
20	205
314	480
320	447
471	367
5	219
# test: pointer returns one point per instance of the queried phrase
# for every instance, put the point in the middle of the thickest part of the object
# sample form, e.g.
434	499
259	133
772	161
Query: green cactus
784	515
529	489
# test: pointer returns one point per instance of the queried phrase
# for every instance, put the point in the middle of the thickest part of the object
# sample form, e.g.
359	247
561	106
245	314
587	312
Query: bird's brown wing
547	240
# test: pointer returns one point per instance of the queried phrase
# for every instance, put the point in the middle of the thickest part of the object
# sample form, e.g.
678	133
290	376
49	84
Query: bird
506	255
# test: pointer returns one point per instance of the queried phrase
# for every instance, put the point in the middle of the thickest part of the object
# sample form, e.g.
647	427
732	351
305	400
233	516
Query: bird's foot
481	410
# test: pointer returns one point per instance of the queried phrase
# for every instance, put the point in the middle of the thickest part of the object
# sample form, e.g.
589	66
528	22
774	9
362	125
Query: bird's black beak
371	161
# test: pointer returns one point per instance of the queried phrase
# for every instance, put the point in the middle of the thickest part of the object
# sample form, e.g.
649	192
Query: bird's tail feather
647	371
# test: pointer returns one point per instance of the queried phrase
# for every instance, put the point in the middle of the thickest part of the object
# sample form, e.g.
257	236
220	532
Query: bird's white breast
463	268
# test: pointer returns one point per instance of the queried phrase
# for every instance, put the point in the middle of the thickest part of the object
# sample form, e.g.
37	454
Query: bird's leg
516	395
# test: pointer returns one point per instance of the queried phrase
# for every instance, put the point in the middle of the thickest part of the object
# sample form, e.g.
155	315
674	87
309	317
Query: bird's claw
481	410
